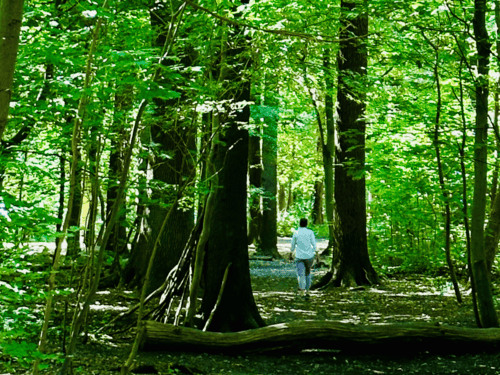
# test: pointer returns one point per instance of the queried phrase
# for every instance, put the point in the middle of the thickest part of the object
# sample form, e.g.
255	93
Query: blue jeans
304	272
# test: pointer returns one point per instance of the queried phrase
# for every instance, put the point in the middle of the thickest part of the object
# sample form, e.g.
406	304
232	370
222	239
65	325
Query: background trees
294	67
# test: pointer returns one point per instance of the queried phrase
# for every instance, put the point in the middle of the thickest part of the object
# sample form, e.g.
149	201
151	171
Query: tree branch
316	38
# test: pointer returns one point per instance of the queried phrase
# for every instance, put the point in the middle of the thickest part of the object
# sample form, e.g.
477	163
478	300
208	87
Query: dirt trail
414	299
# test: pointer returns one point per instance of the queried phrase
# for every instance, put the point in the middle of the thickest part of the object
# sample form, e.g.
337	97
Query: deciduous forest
156	157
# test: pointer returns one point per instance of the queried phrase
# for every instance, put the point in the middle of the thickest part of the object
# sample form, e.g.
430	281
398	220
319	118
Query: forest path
400	299
413	298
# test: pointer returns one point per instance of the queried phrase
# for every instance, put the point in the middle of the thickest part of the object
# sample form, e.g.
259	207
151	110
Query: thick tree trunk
177	231
11	14
175	137
393	338
227	242
486	306
255	177
350	258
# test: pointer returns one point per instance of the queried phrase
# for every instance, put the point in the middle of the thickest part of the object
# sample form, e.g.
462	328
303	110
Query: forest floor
399	299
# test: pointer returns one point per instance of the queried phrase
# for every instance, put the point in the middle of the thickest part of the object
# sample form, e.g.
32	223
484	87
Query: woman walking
304	243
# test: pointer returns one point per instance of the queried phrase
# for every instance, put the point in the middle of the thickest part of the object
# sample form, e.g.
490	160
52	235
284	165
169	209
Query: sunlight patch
98	307
303	311
377	291
350	321
425	317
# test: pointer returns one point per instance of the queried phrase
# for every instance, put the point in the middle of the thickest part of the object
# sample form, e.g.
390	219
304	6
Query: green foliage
408	43
19	293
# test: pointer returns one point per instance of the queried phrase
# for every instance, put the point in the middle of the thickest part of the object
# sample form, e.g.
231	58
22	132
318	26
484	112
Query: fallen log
296	336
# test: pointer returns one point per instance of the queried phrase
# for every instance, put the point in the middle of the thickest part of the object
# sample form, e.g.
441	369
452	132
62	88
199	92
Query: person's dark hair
303	222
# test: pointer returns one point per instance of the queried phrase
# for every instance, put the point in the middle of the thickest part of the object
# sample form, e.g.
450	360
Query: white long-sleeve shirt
303	239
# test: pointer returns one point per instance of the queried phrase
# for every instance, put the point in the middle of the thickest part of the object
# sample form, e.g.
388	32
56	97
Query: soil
400	299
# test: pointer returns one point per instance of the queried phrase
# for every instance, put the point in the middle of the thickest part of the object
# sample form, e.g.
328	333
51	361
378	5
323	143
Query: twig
185	293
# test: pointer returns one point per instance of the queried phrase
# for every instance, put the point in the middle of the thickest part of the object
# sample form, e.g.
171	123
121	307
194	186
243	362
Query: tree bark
465	207
269	233
73	238
317	211
255	179
175	137
289	200
227	241
326	143
281	198
123	105
350	255
399	338
11	14
328	148
486	306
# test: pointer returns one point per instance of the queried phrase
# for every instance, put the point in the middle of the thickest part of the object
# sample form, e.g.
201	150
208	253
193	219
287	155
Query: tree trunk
255	177
465	207
328	149
444	192
326	142
350	257
73	238
175	137
296	336
487	311
494	180
289	200
11	14
123	104
268	233
317	211
227	241
94	149
281	198
209	122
